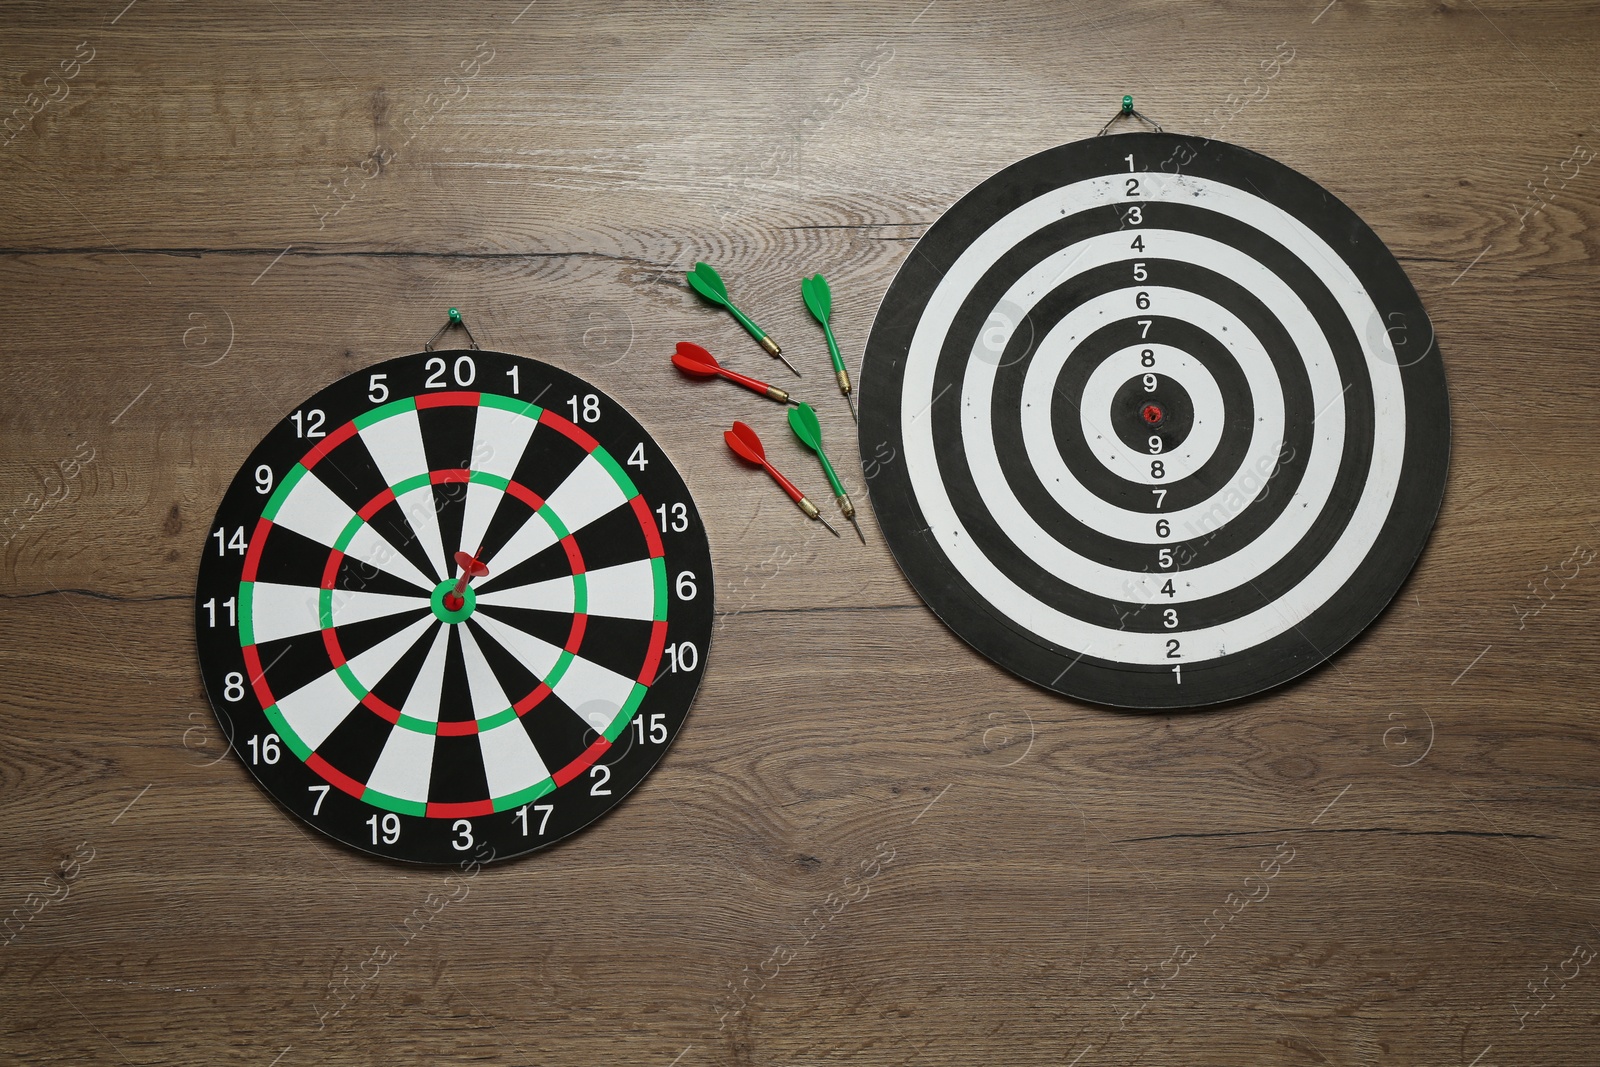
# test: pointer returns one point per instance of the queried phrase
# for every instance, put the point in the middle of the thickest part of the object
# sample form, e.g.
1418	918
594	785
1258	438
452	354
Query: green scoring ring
469	597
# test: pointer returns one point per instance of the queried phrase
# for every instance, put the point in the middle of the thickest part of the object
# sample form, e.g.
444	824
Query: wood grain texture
229	206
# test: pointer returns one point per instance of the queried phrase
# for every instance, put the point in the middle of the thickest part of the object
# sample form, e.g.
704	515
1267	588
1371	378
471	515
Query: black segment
455	700
356	743
394	687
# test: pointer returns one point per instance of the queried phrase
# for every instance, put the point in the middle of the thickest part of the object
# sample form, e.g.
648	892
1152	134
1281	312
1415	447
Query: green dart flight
819	299
705	281
803	421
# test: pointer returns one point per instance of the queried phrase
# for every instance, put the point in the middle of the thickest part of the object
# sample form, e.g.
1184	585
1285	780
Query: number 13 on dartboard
455	604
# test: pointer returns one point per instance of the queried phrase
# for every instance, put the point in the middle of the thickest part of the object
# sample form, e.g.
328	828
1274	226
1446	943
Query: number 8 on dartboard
455	605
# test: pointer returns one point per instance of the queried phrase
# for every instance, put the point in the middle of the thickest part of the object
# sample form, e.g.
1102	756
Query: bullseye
1152	414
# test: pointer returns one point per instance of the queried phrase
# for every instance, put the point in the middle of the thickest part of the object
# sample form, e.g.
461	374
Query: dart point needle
825	522
857	525
851	404
772	346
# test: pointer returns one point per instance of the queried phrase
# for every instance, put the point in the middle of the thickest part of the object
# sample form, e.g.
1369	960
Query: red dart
747	446
692	359
470	568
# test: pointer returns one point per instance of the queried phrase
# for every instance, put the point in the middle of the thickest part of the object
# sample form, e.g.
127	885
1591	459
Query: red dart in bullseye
692	359
471	568
747	446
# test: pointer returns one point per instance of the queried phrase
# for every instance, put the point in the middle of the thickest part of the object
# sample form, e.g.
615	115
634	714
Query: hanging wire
455	319
1126	111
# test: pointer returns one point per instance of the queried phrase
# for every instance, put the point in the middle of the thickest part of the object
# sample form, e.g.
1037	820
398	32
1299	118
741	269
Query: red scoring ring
1153	414
330	636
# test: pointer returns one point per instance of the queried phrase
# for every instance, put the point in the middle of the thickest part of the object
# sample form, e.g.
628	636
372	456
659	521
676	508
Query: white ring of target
1325	578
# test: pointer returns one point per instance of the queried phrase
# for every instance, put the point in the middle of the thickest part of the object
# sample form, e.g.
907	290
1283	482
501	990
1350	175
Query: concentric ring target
1154	421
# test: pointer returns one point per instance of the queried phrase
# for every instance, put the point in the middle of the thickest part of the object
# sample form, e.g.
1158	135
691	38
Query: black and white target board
398	716
1154	421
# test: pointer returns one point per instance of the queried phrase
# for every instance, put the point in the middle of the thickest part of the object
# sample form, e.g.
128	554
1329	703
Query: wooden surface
178	273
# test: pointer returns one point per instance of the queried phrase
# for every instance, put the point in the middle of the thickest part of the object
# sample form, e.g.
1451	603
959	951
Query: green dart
803	421
705	281
817	297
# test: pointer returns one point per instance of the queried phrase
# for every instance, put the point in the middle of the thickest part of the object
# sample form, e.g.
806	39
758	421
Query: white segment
482	500
315	709
313	510
421	509
423	700
531	538
588	493
373	549
1134	464
377	661
1266	433
552	594
498	440
278	611
396	447
1335	568
537	655
405	766
596	693
352	607
510	762
488	698
626	591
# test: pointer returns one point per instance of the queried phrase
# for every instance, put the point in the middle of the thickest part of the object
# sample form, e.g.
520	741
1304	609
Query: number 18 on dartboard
457	599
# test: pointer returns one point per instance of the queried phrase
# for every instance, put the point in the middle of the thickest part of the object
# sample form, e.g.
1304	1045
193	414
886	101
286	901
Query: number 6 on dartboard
432	608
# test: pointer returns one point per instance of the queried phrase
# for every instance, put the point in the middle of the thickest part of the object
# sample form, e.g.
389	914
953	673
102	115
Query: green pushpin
1127	105
452	318
705	281
803	421
819	299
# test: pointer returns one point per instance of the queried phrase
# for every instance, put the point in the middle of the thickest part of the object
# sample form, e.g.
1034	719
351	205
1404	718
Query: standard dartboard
1154	421
399	716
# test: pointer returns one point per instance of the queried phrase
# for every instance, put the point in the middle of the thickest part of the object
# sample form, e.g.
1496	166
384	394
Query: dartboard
1153	421
456	604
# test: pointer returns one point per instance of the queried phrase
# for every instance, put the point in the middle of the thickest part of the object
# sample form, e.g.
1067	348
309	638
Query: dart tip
829	525
785	359
852	405
857	525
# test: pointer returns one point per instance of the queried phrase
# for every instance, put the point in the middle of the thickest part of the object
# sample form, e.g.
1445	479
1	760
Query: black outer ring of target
497	836
1127	419
1344	615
